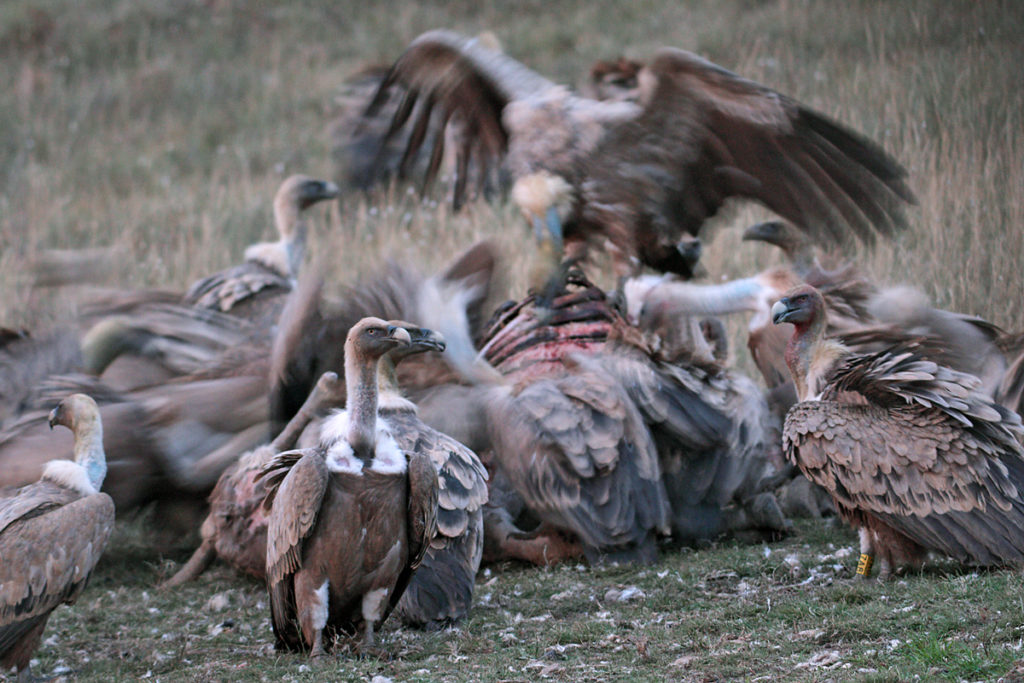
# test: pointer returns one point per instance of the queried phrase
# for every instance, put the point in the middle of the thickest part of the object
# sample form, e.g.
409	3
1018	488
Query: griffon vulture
913	455
636	177
52	534
350	520
255	289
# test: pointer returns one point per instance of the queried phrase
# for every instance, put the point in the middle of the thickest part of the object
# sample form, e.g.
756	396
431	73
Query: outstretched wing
911	443
447	77
706	135
49	554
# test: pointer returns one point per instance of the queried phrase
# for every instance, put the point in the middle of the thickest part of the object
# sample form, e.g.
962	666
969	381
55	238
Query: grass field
163	127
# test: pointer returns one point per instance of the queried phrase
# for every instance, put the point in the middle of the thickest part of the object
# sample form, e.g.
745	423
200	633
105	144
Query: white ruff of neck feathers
388	457
70	475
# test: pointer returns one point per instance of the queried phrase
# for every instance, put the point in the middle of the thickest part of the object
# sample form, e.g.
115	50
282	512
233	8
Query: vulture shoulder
912	443
706	134
51	539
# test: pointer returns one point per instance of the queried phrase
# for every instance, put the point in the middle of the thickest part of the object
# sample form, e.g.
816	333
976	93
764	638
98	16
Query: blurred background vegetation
163	127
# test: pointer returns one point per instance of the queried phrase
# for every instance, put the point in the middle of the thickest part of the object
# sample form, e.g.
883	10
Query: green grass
785	611
163	127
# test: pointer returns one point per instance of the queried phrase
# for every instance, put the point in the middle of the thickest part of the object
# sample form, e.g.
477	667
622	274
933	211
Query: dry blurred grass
164	126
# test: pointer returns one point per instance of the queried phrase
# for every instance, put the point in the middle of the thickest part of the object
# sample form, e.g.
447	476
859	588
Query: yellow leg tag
864	565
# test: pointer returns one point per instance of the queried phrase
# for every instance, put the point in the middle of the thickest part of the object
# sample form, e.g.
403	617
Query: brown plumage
52	534
913	455
351	520
618	81
256	289
642	175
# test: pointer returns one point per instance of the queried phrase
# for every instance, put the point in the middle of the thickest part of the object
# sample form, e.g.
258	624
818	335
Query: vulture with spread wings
913	455
640	175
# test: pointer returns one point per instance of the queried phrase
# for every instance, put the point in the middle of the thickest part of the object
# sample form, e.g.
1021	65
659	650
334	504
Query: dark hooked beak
428	340
55	415
781	311
768	231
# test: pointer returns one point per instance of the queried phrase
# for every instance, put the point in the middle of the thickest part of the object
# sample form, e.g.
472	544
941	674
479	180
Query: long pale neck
809	357
361	386
387	375
293	230
730	297
89	453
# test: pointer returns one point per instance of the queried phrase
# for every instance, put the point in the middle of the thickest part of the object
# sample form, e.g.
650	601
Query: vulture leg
867	553
311	598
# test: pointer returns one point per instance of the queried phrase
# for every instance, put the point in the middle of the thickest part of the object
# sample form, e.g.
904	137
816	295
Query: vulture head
371	338
803	306
545	200
616	81
791	241
296	194
421	341
81	415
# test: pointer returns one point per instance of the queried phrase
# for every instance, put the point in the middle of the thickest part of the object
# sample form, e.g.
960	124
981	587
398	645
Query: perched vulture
637	176
52	534
255	289
350	520
441	590
913	456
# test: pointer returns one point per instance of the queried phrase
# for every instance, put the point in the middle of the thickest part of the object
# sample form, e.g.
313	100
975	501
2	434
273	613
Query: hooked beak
549	229
429	340
399	335
55	415
781	311
767	231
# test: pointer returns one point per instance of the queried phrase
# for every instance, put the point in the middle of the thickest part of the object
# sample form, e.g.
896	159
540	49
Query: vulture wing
706	135
441	590
422	521
296	504
465	83
912	443
49	551
224	290
591	467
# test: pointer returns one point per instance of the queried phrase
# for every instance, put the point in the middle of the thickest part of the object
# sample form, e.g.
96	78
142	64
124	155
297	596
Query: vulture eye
373	331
